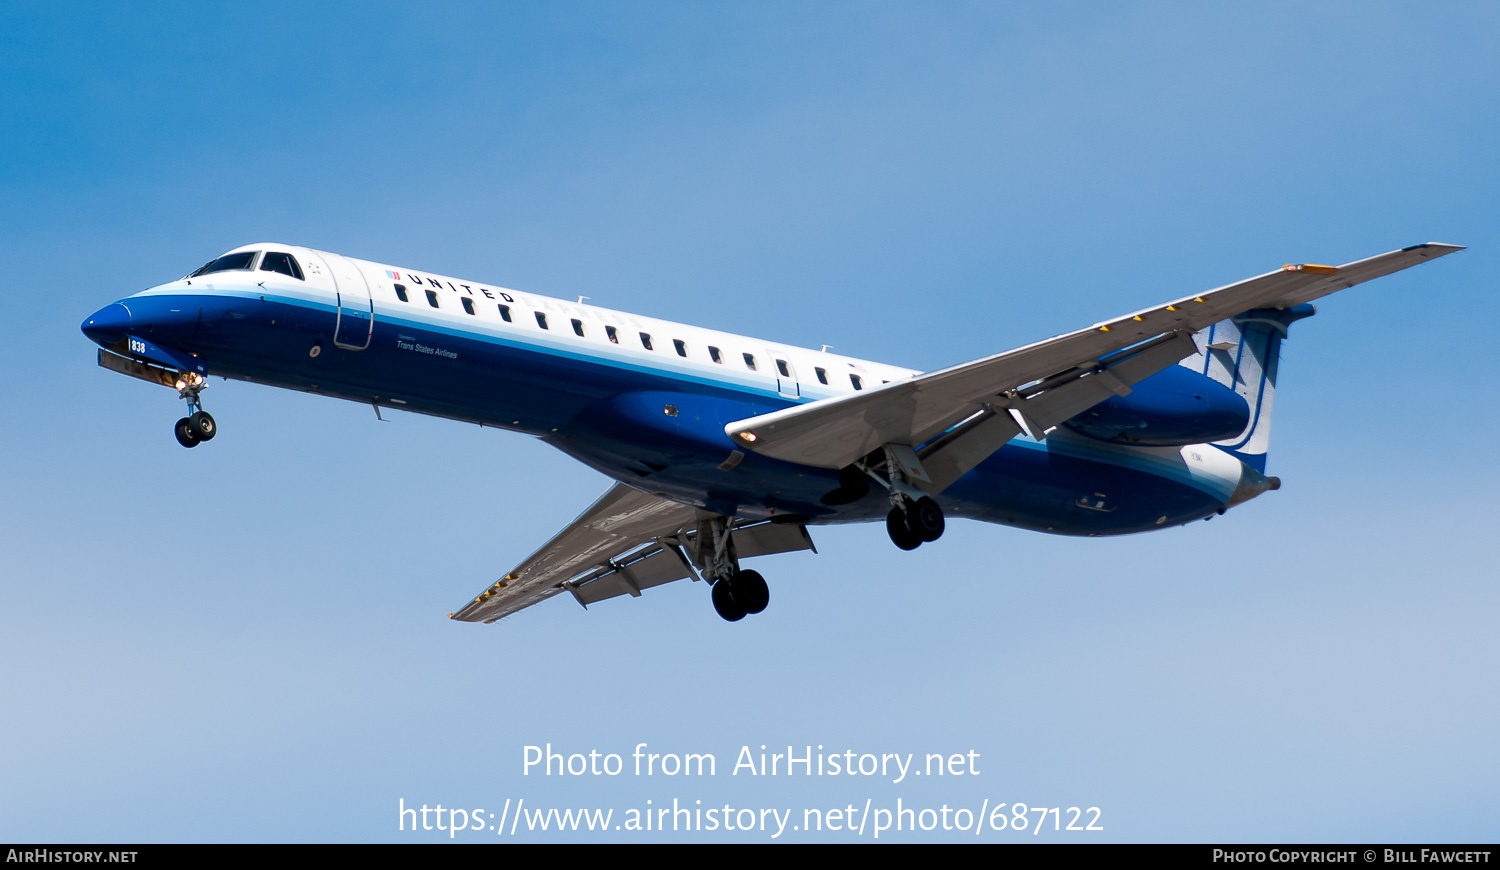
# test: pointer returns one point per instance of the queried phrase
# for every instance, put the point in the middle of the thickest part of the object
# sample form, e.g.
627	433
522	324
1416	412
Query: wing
620	521
625	542
964	413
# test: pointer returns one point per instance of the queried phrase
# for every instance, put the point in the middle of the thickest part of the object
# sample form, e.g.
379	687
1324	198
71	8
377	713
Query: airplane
725	447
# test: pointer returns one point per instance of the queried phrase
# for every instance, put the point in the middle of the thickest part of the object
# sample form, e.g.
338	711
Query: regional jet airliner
725	447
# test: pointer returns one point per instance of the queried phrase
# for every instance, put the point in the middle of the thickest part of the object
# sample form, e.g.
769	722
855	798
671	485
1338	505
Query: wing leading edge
964	413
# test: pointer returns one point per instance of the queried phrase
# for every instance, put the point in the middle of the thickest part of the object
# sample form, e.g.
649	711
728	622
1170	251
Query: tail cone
1252	483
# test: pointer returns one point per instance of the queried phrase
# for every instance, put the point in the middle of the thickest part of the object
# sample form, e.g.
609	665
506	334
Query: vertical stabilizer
1243	353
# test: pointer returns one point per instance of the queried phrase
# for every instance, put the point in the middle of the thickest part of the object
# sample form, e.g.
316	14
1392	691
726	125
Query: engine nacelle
1172	408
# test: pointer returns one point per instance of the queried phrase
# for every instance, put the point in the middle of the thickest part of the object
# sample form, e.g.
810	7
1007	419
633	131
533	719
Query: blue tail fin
1243	353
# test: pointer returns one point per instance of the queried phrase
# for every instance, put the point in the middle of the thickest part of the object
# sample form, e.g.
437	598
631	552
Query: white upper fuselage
812	374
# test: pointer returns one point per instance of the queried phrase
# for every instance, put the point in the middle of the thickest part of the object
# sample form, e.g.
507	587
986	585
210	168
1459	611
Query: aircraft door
356	319
786	377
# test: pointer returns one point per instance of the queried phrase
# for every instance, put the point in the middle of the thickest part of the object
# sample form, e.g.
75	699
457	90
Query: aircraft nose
108	325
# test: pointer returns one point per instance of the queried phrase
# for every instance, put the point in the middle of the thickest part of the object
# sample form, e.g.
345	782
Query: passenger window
781	367
505	313
646	341
468	304
713	354
857	382
680	345
401	292
541	320
822	376
432	299
578	327
286	264
750	362
614	334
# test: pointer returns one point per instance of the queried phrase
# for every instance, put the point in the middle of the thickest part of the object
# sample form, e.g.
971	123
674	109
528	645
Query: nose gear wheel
198	426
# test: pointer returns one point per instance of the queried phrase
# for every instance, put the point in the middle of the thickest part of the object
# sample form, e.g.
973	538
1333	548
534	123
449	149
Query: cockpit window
286	264
242	260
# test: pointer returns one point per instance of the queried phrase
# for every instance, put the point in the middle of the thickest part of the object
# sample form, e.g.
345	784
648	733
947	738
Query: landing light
748	437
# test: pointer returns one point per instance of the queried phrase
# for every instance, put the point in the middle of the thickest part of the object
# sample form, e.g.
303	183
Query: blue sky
246	642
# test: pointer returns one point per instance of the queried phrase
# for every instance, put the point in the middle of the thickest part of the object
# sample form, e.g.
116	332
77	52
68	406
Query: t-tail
1244	354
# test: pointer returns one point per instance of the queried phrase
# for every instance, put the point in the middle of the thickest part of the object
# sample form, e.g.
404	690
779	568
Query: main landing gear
915	518
737	592
914	523
743	593
198	425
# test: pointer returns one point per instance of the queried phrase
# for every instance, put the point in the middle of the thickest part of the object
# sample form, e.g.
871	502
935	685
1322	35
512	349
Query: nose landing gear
198	425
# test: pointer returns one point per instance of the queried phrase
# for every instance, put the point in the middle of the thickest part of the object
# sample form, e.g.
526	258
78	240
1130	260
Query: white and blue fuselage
646	401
